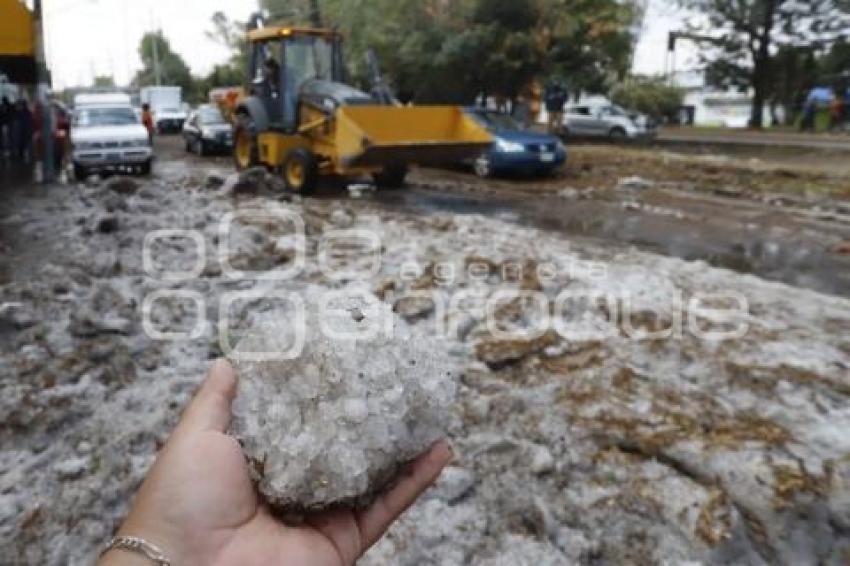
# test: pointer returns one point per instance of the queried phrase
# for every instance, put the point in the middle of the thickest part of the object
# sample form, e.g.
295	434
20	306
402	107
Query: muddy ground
642	439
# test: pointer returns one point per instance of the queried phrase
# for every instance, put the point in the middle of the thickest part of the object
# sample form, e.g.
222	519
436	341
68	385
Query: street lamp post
43	94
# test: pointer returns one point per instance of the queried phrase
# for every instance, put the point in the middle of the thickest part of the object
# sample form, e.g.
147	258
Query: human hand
199	506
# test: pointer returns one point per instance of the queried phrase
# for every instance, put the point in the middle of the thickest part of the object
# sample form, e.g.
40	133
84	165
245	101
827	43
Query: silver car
609	121
109	137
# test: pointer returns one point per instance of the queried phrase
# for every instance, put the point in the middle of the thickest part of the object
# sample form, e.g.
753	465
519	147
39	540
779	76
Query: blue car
516	150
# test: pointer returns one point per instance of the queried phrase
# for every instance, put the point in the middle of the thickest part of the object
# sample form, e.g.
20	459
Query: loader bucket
378	136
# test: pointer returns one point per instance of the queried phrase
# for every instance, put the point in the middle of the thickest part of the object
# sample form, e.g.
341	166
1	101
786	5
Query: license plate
547	157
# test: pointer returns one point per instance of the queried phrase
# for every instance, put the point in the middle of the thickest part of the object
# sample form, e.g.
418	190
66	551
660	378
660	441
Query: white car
607	120
109	137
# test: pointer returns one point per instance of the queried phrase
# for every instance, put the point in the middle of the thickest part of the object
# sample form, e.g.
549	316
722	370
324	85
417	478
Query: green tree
794	71
649	95
451	51
743	37
588	43
230	34
158	58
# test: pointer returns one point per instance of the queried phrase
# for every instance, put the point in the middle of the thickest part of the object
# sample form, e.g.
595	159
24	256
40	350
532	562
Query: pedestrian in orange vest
147	121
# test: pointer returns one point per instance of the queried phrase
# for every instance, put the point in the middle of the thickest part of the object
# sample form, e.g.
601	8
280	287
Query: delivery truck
166	104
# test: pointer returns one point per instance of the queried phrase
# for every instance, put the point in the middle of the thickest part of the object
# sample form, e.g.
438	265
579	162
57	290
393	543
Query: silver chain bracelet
139	546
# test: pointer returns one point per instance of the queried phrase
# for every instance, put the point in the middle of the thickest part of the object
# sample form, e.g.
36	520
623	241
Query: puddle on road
755	251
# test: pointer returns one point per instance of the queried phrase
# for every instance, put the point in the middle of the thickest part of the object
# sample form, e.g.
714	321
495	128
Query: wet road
773	245
779	243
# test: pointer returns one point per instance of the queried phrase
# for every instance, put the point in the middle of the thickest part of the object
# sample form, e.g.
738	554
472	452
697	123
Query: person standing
59	126
22	132
522	111
555	99
6	111
147	121
836	112
807	123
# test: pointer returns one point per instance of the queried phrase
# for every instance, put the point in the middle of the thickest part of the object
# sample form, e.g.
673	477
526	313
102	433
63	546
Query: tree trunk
757	108
315	14
761	64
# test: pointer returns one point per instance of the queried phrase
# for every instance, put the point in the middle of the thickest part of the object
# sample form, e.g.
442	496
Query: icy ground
609	448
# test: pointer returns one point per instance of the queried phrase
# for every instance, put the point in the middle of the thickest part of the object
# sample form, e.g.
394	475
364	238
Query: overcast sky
101	37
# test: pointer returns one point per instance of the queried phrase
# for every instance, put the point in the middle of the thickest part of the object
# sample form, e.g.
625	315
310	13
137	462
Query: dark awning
19	69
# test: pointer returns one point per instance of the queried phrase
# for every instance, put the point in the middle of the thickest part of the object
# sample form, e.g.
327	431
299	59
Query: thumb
210	409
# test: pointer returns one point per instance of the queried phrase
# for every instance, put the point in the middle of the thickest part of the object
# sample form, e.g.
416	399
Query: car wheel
301	171
145	168
482	166
617	134
188	145
392	177
202	148
81	173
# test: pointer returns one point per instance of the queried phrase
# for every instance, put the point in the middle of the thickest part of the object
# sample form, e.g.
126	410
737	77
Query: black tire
301	171
617	134
249	155
202	148
392	177
145	168
188	145
81	172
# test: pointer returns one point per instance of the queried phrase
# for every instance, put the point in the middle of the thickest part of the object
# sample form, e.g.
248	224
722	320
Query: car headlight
207	134
509	146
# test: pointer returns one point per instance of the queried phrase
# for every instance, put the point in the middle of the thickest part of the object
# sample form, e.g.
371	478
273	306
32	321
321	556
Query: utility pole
43	94
155	35
156	71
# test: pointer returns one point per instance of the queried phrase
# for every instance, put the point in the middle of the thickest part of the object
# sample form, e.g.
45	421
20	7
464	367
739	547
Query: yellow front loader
300	118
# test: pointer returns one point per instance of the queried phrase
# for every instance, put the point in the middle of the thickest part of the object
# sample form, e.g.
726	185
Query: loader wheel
392	177
300	171
246	154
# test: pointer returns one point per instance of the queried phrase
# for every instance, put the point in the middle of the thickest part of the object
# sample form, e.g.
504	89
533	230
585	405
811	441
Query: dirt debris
605	450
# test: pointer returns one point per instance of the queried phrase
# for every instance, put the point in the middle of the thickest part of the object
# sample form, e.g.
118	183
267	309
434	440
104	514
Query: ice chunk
334	425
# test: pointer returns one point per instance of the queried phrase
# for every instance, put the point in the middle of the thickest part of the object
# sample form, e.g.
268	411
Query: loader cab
282	60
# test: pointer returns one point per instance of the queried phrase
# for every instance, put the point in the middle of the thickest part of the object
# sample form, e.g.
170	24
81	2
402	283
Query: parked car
206	131
107	137
515	149
609	121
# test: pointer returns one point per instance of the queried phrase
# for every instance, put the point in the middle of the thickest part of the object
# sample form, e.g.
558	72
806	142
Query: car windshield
170	110
617	111
497	121
211	116
105	117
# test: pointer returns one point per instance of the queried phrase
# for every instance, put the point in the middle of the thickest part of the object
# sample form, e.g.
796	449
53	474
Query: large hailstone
334	425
